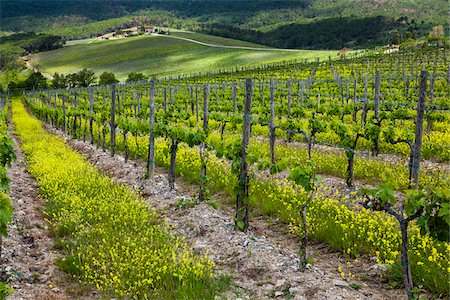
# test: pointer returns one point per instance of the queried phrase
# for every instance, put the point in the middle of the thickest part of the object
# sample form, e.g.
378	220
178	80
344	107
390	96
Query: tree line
82	78
15	45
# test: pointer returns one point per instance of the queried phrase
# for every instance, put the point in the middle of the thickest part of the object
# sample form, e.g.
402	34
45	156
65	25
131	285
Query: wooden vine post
289	97
113	120
64	113
272	123
355	91
173	157
415	162
233	95
196	104
448	75
151	142
365	100
377	94
242	198
203	193
74	125
165	100
191	91
172	98
376	106
432	79
91	113
289	93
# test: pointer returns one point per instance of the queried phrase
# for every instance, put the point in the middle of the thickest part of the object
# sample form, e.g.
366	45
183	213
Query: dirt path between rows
28	258
263	261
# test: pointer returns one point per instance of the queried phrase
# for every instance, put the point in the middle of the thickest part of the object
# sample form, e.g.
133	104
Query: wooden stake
243	180
419	130
272	123
151	141
113	120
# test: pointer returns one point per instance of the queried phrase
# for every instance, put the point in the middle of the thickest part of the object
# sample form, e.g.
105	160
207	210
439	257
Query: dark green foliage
59	81
136	76
32	42
7	155
304	23
35	81
435	218
83	78
107	78
6	212
305	176
332	33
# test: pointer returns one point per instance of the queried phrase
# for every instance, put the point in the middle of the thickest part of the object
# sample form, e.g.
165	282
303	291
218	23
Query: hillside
160	56
274	23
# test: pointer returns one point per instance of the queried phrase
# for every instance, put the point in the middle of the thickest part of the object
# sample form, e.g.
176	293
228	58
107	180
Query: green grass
215	40
158	56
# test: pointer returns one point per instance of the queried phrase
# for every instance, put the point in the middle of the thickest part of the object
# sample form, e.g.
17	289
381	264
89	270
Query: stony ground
28	258
28	261
263	261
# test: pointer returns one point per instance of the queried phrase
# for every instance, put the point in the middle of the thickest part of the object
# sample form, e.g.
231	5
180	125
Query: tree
72	80
135	76
436	33
107	78
59	81
85	77
12	86
396	39
36	81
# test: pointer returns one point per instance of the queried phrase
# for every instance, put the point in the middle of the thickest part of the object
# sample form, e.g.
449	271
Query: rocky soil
264	261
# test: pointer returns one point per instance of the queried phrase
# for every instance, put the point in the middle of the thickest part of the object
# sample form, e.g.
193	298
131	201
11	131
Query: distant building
149	29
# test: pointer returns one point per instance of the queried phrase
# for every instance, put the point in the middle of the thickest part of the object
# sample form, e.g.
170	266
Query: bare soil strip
28	258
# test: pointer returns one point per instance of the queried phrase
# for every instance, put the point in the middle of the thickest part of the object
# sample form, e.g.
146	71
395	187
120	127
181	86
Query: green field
160	56
215	40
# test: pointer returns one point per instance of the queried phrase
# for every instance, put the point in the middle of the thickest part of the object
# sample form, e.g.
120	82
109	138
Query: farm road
230	47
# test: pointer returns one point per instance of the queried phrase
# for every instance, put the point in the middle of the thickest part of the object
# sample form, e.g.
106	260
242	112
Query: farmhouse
150	29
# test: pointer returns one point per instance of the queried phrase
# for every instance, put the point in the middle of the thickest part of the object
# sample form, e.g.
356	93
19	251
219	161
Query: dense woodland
316	24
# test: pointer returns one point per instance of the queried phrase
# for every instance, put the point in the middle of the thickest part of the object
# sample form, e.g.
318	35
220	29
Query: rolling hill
317	24
161	55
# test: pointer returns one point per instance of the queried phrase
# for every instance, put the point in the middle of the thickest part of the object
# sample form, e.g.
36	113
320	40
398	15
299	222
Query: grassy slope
157	56
215	40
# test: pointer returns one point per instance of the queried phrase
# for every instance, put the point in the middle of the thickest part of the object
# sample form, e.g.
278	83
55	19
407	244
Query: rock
278	294
319	271
293	290
280	282
379	267
55	290
340	283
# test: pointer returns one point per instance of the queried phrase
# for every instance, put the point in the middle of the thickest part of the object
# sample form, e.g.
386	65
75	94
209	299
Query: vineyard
352	152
